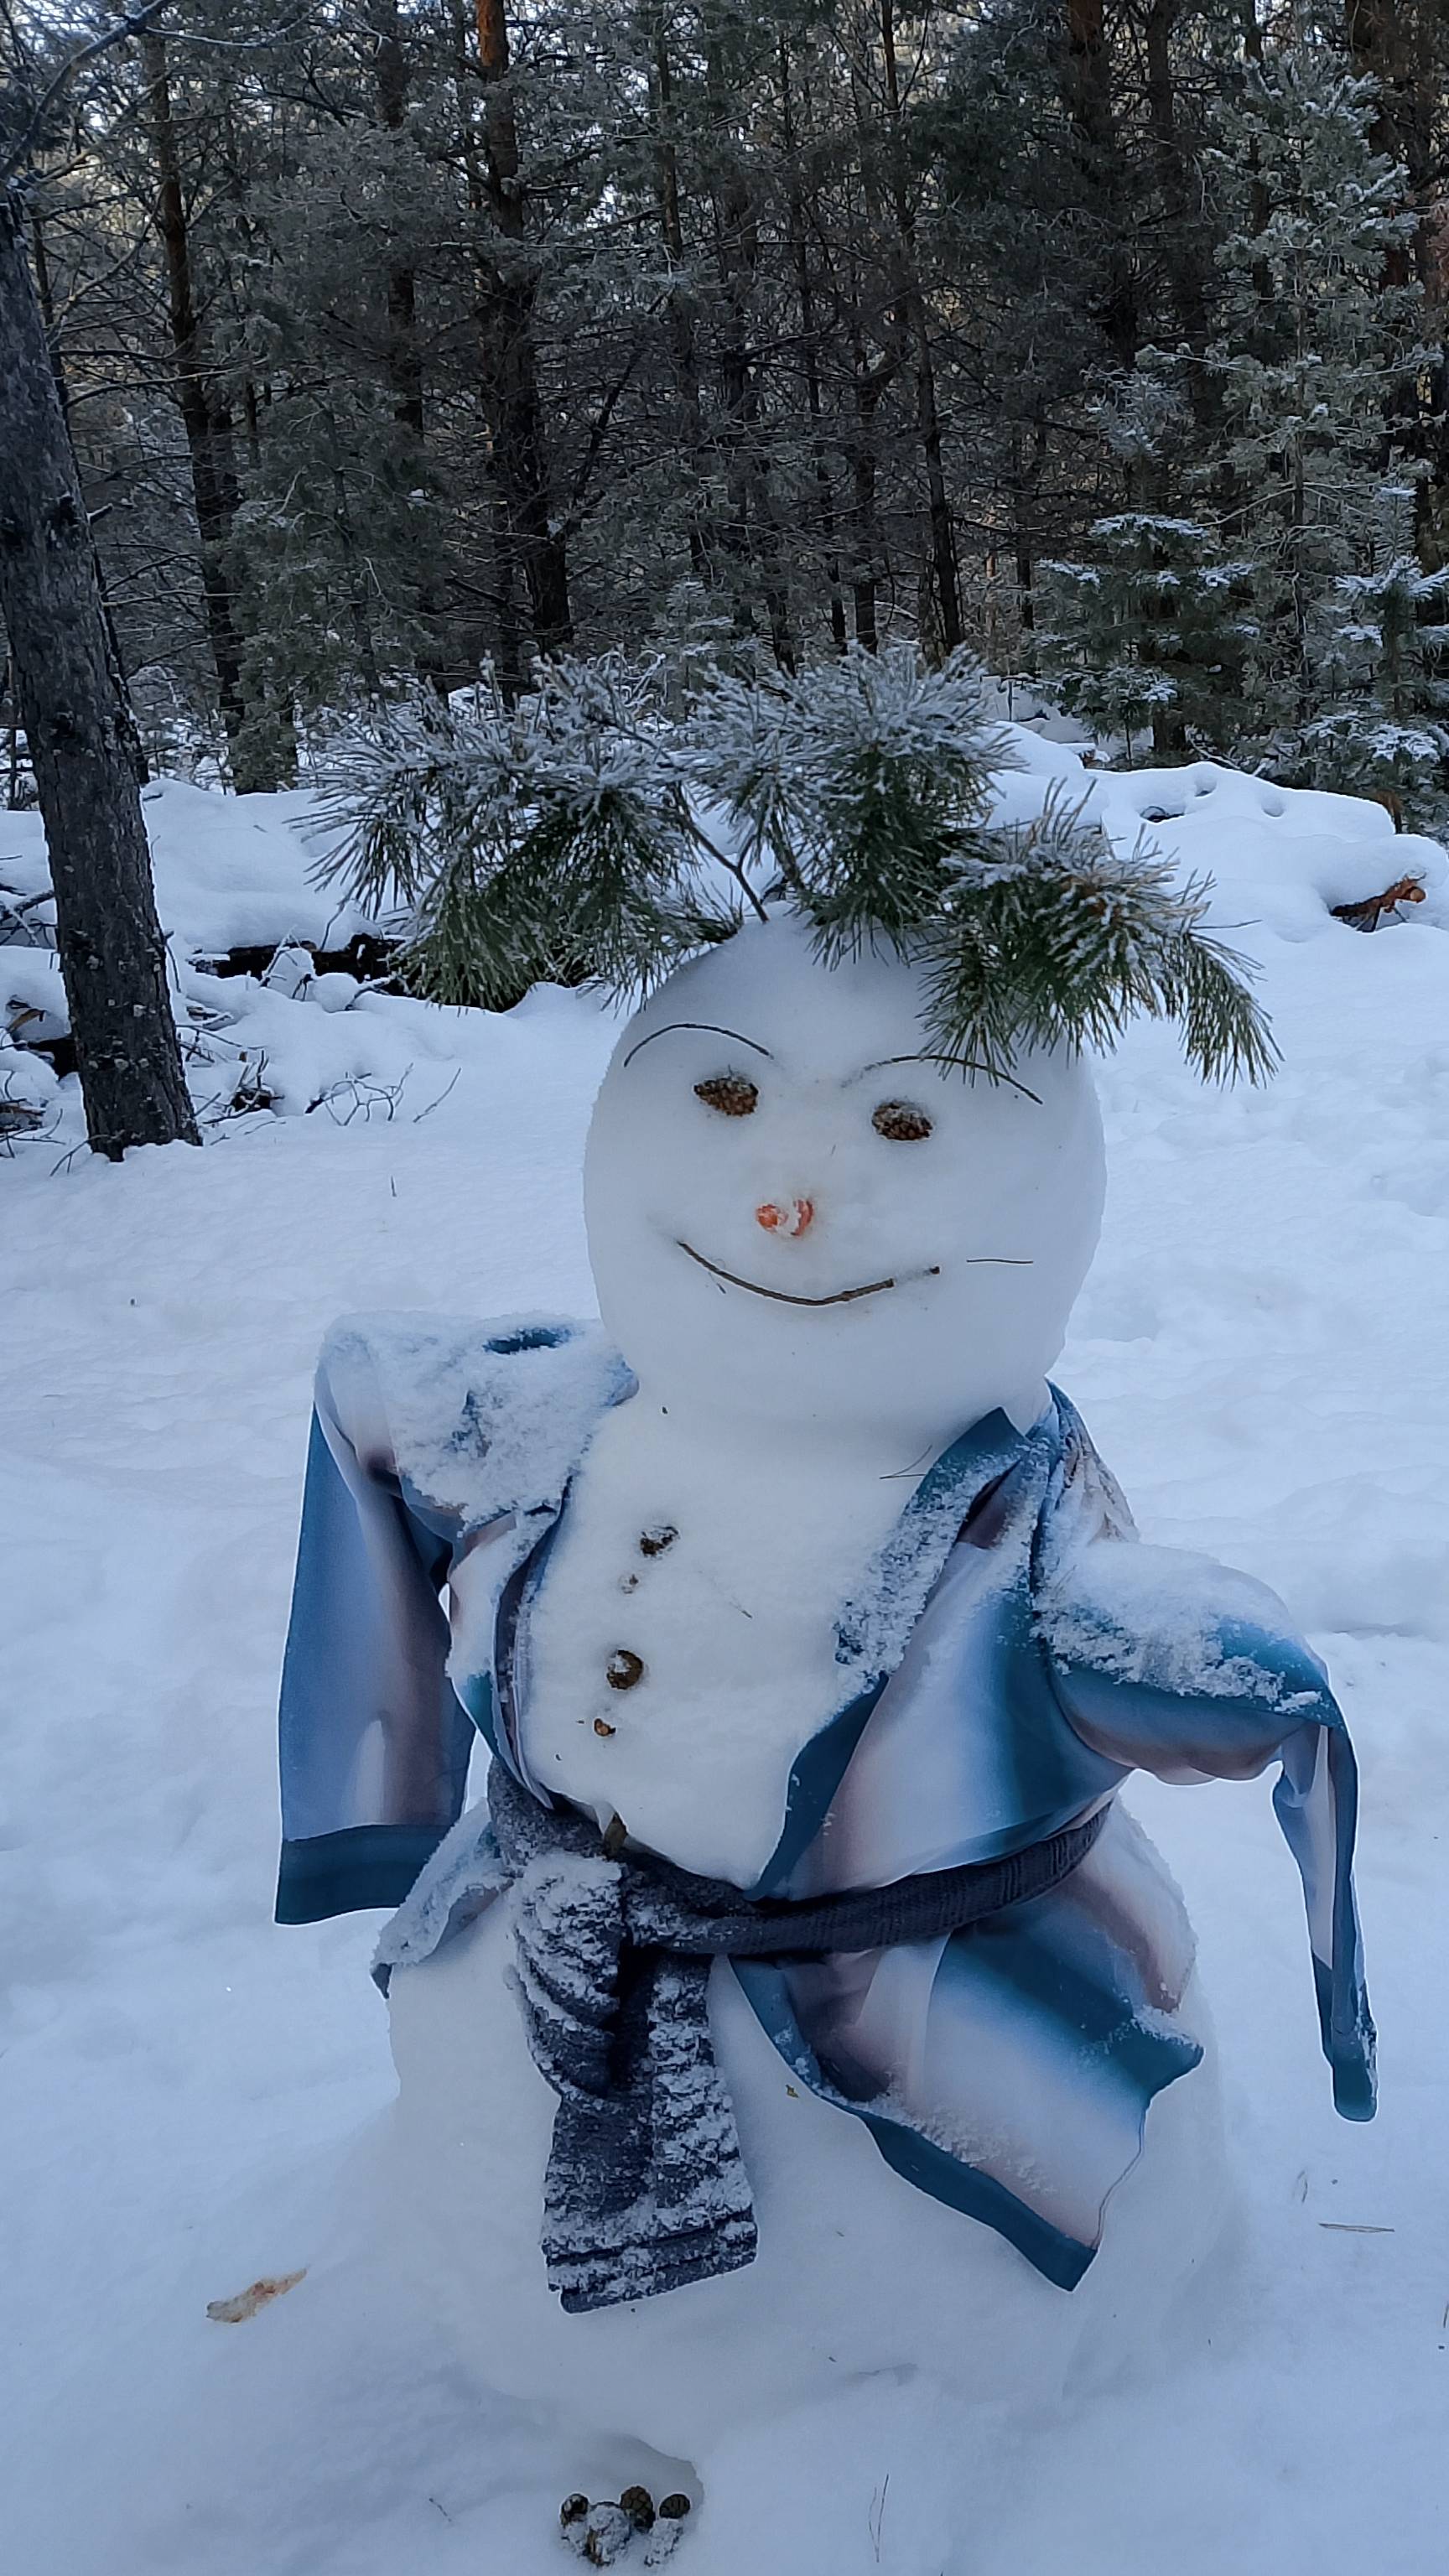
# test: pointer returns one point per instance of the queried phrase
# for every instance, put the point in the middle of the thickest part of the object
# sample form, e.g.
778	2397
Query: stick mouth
786	1297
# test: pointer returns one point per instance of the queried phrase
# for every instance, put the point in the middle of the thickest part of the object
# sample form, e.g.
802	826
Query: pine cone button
653	1542
624	1669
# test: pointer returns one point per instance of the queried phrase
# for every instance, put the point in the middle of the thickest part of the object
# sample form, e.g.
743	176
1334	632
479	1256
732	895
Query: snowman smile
785	1297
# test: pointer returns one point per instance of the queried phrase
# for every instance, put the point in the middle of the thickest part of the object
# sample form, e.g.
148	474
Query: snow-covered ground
187	2092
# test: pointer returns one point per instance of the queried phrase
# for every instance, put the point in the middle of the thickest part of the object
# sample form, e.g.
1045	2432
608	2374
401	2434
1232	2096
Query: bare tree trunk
508	655
945	576
682	315
1024	485
871	378
405	375
519	442
111	952
810	346
45	294
868	386
207	424
754	535
404	357
1176	179
1099	161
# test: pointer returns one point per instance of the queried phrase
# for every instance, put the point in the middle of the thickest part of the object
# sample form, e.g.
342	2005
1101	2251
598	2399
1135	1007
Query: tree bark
810	348
45	295
206	422
404	364
112	957
404	369
945	574
683	319
753	533
1177	181
1099	162
520	445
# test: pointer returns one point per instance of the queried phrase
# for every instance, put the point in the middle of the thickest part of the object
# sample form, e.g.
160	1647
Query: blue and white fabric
1016	1653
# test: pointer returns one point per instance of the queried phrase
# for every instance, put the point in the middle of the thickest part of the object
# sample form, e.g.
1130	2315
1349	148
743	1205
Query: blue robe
1013	1655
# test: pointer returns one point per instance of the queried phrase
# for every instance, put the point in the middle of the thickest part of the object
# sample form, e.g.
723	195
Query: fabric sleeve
1165	1662
374	1742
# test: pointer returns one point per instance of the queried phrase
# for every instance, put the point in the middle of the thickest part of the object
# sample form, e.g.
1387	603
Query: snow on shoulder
479	1420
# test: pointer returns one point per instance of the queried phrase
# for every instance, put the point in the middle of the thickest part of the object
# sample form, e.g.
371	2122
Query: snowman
798	2031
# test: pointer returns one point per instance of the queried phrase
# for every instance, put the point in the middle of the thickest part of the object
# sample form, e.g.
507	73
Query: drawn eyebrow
711	1026
961	1063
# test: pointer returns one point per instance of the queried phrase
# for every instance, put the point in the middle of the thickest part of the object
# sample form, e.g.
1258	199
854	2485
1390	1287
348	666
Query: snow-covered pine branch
570	836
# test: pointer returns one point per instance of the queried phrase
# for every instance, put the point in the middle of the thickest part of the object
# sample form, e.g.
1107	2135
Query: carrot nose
787	1216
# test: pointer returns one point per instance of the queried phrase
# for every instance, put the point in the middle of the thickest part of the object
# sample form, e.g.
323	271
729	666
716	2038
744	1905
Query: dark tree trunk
945	574
404	362
1102	175
683	320
520	446
1179	184
404	368
1393	42
207	424
111	951
45	293
753	534
867	389
810	348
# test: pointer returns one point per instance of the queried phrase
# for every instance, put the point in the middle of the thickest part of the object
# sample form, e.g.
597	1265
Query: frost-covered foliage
1312	345
1265	592
579	833
1383	730
1146	638
544	839
1057	936
860	784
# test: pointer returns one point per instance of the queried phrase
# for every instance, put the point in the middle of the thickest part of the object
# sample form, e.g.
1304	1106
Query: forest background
1104	336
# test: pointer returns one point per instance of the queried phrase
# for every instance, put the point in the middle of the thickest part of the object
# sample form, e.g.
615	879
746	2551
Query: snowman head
797	1213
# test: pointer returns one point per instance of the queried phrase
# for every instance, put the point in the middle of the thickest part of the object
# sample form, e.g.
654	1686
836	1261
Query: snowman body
857	2273
669	1557
823	1255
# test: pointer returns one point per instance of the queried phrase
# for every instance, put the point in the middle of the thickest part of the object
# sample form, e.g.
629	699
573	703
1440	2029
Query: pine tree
1313	338
1146	636
1384	730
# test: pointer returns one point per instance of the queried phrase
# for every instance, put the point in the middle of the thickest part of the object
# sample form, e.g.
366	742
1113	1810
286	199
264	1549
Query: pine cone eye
730	1093
902	1122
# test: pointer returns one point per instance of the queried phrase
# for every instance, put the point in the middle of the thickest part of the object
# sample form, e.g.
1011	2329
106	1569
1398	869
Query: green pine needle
1060	940
565	838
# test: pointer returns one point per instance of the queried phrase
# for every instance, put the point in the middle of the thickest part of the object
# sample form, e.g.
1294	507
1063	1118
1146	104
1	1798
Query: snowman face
796	1213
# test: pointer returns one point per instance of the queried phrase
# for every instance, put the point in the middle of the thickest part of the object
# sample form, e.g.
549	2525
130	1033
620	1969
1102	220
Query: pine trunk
207	425
520	446
754	536
111	951
1103	175
683	321
945	577
40	267
810	341
392	75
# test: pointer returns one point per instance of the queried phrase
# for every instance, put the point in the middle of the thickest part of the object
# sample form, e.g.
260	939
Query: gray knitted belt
646	2186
